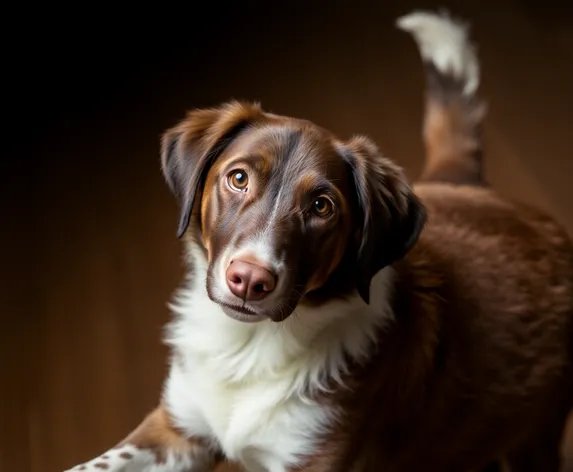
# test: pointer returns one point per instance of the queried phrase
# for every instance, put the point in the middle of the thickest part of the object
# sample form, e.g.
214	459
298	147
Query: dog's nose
248	281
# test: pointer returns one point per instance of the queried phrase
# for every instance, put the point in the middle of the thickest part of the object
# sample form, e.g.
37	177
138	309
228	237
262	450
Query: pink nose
250	282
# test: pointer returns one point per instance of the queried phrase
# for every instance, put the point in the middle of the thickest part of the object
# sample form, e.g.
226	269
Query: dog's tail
454	111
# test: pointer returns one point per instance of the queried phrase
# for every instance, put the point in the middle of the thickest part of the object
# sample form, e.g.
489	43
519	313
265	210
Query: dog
337	318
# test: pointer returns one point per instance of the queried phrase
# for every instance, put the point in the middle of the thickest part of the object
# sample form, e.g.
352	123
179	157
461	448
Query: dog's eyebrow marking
254	160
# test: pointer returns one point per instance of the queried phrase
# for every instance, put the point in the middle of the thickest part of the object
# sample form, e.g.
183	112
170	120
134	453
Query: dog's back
499	273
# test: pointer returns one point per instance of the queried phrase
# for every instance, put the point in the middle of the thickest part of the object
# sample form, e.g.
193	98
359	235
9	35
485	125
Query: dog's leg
155	446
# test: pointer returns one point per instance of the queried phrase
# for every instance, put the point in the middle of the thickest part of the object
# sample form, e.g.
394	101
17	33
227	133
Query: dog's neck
310	348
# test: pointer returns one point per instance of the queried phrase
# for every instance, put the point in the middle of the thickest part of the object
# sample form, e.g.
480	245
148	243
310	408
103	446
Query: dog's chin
246	314
235	310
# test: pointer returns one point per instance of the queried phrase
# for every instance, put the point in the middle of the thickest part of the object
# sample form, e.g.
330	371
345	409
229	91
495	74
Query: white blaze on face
259	248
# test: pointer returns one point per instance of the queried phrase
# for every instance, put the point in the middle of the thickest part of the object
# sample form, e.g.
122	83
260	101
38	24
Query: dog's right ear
189	149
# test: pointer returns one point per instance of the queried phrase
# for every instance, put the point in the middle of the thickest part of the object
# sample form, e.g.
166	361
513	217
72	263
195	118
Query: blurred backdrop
89	257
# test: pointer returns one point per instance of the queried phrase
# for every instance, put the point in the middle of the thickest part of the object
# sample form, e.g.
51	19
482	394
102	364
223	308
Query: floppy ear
189	149
391	216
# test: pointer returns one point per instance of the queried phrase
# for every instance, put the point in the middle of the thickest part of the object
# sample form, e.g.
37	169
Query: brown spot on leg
101	465
126	455
157	435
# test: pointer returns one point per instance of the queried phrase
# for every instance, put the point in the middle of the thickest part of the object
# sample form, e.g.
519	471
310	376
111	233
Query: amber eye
322	206
238	180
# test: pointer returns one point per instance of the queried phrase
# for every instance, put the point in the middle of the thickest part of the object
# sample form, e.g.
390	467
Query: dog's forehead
294	148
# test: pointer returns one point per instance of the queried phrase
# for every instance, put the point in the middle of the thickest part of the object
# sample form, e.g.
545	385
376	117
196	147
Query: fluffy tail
454	112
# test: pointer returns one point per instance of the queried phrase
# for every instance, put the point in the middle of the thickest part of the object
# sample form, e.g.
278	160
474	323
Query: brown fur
157	434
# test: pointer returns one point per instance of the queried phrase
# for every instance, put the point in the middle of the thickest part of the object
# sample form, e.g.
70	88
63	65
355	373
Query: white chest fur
248	387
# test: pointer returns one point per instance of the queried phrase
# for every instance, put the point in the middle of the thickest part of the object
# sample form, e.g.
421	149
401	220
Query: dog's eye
322	206
238	180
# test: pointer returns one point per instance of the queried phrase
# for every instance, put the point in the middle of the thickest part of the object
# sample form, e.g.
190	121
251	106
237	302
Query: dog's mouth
241	313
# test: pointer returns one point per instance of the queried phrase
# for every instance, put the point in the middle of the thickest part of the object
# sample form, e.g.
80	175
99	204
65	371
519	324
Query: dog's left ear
189	149
391	215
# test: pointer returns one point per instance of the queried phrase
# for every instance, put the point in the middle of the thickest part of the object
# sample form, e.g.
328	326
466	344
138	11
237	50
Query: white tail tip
444	42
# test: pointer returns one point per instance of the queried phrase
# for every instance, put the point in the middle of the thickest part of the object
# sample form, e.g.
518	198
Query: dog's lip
241	313
242	309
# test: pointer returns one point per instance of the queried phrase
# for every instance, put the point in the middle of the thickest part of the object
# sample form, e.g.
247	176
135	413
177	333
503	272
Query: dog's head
285	212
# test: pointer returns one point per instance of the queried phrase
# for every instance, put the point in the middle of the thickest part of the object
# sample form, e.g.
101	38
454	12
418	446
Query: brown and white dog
336	319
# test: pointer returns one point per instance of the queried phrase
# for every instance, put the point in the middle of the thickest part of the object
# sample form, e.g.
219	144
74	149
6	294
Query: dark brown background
88	256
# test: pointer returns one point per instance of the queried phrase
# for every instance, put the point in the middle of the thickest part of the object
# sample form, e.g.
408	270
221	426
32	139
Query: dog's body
362	342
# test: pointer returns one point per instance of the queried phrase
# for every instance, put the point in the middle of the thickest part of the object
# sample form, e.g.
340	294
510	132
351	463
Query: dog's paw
128	458
125	458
